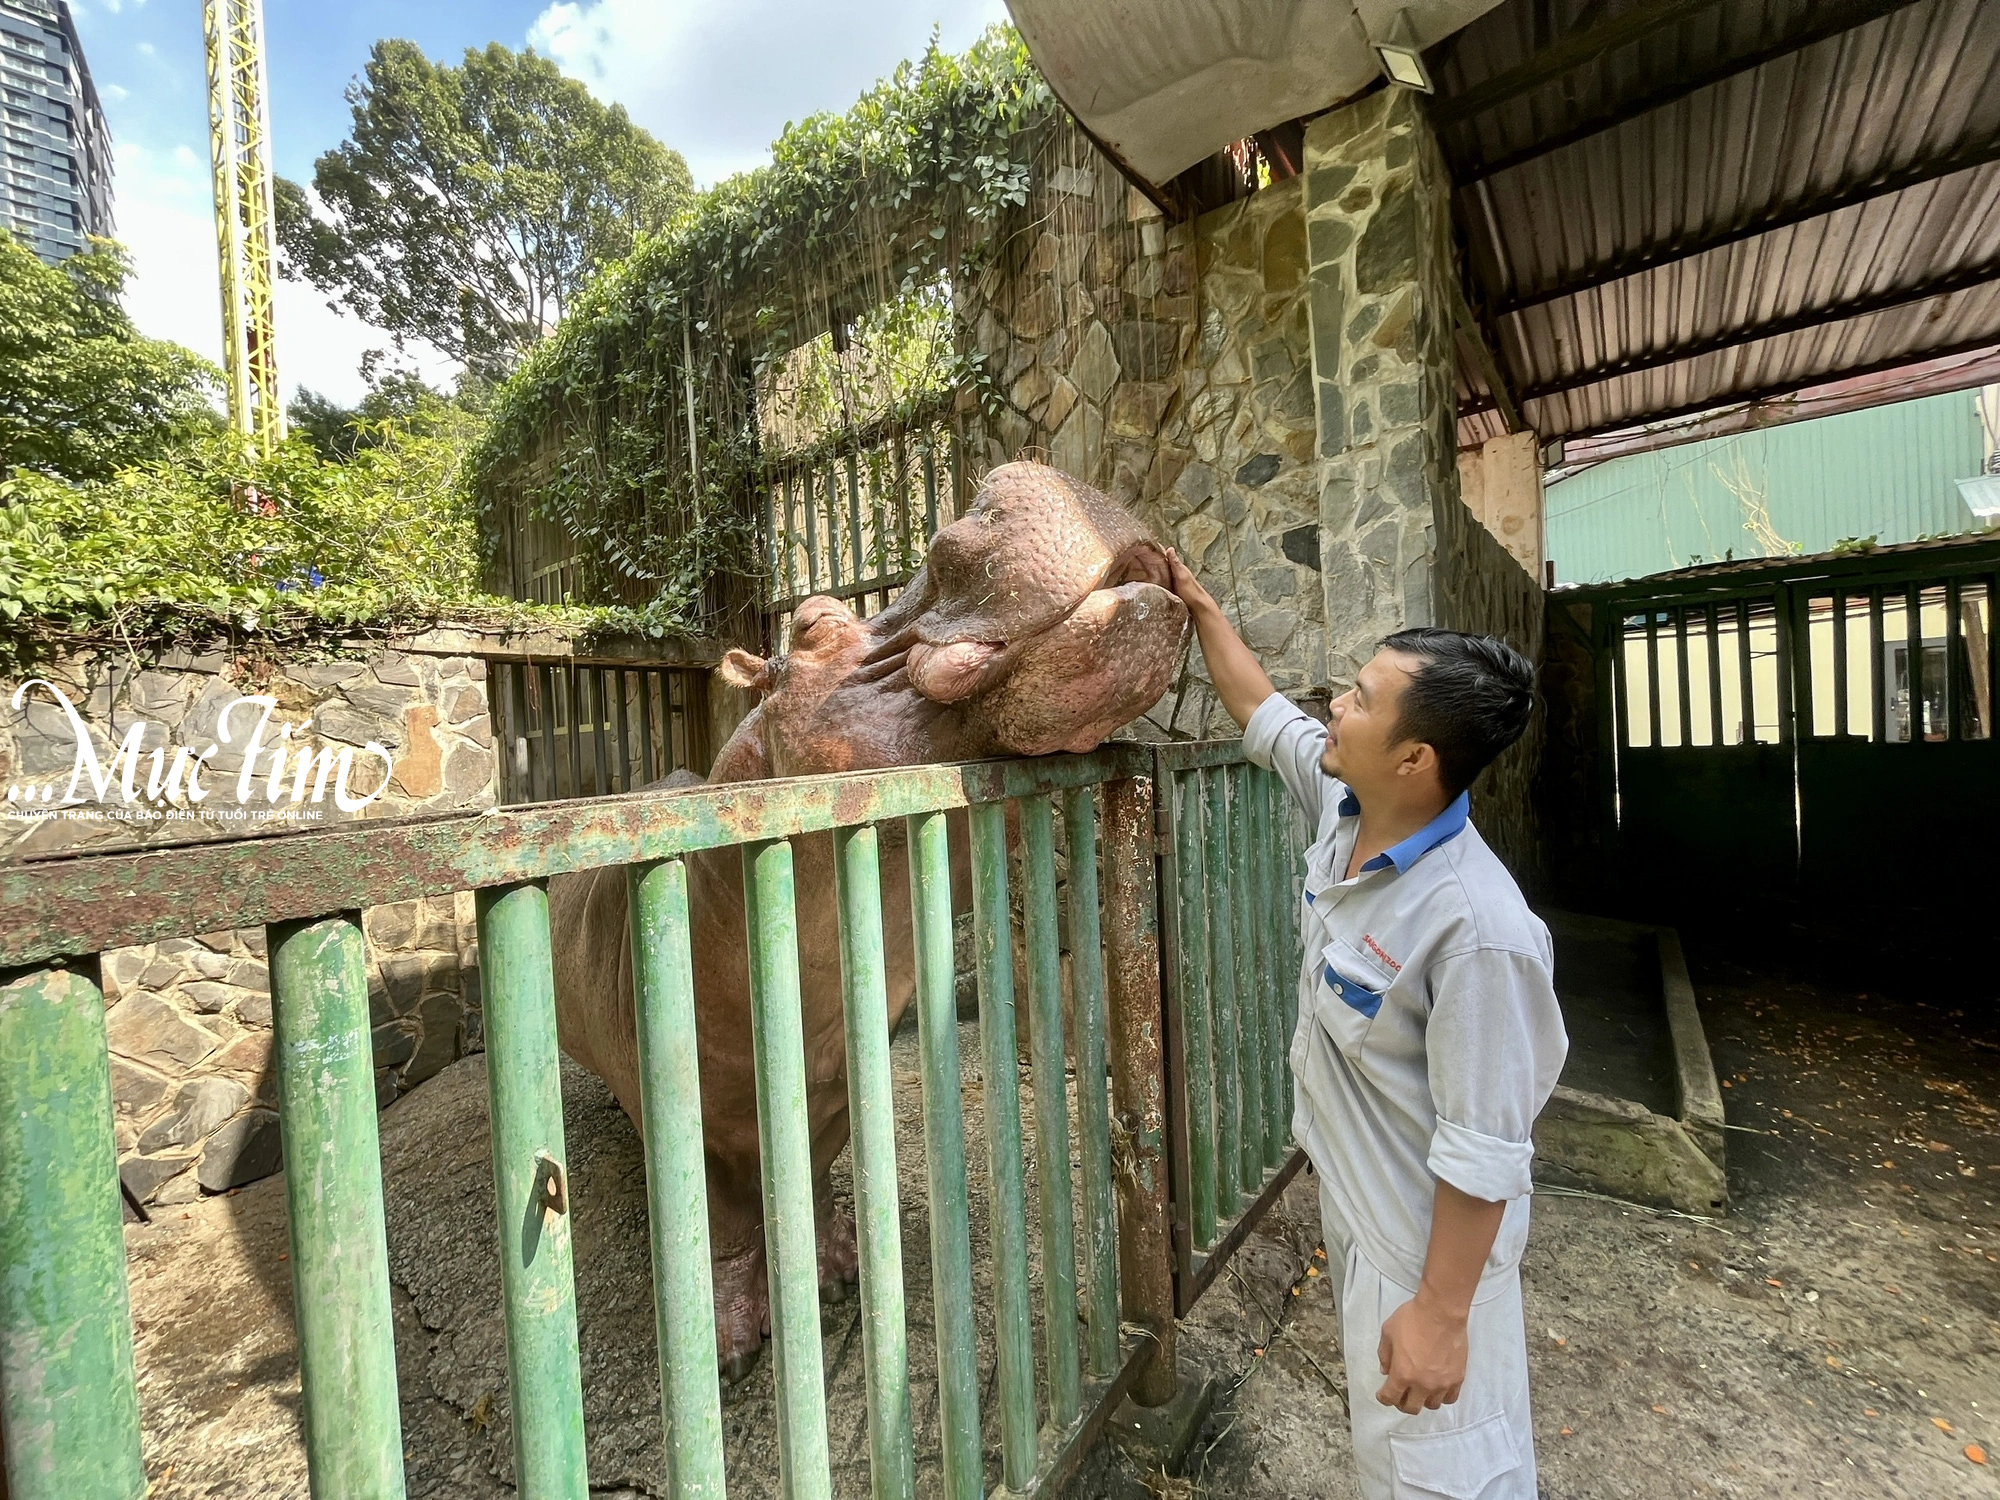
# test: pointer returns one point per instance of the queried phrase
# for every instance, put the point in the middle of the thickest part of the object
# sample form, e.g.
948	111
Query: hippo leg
839	1258
736	1241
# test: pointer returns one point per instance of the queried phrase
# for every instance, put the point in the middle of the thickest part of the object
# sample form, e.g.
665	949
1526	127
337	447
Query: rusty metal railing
68	1410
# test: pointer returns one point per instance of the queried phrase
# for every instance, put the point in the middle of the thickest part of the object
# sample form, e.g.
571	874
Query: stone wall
1482	588
189	1019
1271	388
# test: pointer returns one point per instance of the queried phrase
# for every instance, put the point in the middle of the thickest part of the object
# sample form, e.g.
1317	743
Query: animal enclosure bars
1782	726
1194	1104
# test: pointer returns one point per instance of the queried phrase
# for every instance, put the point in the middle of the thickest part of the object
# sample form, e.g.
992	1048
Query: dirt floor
1838	1334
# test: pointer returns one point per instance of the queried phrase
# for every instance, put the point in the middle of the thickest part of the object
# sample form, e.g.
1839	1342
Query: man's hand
1423	1355
1232	666
1187	587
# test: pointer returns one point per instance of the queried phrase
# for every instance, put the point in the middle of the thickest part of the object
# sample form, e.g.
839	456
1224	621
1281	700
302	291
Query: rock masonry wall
189	1019
1272	389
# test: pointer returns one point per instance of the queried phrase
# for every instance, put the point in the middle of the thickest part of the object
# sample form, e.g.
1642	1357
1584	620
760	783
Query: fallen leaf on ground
1661	1410
1869	1411
1940	1424
1772	1281
1976	1453
1566	1432
1832	1363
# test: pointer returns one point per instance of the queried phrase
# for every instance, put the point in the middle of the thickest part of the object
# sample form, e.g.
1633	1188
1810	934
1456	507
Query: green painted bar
1285	903
854	518
1194	971
790	1248
537	1281
809	506
1052	1174
944	1156
1218	896
1250	996
1093	1101
1011	1319
333	1192
1271	1010
69	1412
118	900
676	1178
871	1106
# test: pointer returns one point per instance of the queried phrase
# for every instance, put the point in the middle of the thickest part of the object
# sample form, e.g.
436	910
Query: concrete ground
1838	1334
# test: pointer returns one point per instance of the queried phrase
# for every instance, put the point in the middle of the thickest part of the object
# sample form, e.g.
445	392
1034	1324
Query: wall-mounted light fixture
1402	58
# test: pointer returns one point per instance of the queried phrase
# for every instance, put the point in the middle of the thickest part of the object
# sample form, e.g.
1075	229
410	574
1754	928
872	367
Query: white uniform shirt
1428	1036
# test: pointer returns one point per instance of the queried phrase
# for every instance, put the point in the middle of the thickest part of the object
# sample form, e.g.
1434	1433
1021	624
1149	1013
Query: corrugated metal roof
1685	239
1890	473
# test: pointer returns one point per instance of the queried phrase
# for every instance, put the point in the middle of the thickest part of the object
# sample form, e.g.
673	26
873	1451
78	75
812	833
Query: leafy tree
82	394
470	203
400	398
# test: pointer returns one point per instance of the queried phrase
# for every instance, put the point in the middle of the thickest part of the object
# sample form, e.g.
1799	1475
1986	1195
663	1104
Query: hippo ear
740	669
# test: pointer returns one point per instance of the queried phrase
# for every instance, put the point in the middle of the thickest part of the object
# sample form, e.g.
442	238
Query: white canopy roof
1165	83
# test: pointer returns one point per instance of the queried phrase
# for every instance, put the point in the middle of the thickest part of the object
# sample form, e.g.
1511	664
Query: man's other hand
1423	1356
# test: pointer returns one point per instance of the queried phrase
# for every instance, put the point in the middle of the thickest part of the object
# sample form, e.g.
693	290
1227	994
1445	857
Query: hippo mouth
1070	682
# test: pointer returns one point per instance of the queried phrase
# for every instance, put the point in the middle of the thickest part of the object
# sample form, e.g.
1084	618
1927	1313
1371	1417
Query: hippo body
1039	623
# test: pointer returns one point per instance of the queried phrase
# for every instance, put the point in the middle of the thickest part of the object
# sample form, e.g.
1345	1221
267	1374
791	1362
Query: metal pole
1093	1103
69	1412
531	1190
1045	1038
791	1251
333	1191
1007	1209
676	1179
872	1108
1138	1078
944	1156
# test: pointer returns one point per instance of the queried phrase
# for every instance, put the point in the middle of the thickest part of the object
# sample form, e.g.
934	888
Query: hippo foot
742	1313
839	1259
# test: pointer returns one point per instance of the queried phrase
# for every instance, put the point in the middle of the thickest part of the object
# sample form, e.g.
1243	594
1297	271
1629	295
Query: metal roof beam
1847	195
1571	52
1829	20
1789	387
1498	388
1944	286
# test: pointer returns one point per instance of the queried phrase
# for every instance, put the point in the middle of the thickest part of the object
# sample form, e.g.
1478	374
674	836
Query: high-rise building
55	150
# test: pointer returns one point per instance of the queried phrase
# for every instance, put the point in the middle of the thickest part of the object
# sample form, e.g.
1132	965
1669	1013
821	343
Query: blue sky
715	81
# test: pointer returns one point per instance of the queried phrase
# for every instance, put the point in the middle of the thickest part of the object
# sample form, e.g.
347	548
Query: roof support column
1378	228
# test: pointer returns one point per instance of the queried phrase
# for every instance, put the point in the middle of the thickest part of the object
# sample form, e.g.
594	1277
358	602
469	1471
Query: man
1428	1040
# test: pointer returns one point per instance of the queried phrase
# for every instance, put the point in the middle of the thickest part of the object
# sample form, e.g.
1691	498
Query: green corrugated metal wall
1888	472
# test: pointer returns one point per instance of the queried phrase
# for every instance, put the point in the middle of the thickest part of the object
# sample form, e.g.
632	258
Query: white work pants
1482	1446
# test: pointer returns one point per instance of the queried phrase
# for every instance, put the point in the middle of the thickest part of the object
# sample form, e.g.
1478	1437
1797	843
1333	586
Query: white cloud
166	219
718	82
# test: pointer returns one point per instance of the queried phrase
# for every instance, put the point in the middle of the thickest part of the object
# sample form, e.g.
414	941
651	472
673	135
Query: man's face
1364	745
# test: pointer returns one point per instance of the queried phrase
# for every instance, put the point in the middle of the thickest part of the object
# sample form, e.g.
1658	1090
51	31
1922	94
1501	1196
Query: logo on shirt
1376	949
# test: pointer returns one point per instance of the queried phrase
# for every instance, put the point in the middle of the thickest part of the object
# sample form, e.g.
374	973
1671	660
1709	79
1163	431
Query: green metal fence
68	1410
1231	844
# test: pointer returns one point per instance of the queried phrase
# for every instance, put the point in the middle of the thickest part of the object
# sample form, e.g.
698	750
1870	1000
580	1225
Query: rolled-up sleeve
1283	737
1496	1046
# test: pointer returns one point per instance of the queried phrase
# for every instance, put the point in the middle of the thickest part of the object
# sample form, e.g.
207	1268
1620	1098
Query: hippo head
1040	622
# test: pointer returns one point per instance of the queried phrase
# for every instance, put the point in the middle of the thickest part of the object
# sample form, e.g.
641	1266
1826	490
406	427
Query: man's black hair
1468	700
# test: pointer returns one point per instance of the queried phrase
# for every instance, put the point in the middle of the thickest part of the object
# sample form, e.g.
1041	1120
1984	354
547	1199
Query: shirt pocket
1351	987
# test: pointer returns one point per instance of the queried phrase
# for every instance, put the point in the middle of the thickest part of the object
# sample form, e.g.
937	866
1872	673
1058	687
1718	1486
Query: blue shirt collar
1447	825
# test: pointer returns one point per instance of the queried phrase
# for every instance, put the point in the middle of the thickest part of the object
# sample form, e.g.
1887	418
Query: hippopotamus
1040	622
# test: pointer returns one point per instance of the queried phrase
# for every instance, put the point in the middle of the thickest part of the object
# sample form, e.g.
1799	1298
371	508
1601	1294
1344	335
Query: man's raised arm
1239	680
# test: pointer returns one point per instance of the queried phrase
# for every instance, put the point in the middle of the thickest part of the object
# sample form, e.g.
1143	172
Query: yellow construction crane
239	138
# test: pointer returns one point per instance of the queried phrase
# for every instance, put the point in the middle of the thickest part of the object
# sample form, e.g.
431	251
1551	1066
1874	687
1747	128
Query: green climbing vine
882	207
